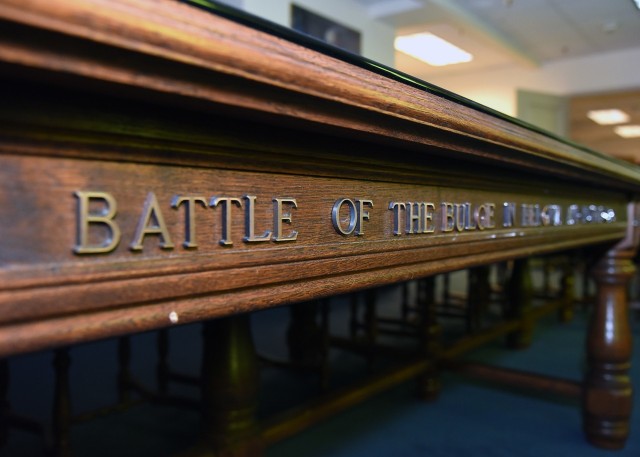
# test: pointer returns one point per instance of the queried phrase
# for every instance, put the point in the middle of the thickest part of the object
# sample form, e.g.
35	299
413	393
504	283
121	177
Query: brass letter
105	218
279	218
460	218
149	211
250	223
427	218
573	215
226	216
335	216
362	215
490	209
395	206
530	215
190	217
448	217
470	223
483	215
551	215
412	217
509	214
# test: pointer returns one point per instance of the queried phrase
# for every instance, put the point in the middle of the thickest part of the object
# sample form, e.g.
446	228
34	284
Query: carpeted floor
471	419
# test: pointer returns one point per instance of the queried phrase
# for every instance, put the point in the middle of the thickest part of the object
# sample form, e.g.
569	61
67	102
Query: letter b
105	218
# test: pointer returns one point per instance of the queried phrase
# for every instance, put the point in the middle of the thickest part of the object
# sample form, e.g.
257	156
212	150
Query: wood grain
133	97
166	48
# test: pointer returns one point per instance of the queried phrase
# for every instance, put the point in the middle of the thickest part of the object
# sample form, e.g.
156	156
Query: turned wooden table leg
124	369
304	335
567	286
230	384
62	404
519	302
478	296
162	367
607	387
429	384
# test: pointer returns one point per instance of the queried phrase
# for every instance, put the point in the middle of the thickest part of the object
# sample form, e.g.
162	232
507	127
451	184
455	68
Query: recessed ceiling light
637	2
431	49
608	116
628	131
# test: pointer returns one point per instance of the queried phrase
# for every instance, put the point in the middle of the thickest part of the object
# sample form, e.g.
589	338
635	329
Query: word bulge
151	221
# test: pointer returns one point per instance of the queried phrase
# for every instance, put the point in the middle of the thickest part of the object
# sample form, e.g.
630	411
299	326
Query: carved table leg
162	367
567	287
607	388
429	384
124	370
4	402
519	301
371	326
478	296
304	335
230	384
62	404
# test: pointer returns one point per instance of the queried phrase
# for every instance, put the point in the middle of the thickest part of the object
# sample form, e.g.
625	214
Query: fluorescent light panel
628	131
431	49
608	116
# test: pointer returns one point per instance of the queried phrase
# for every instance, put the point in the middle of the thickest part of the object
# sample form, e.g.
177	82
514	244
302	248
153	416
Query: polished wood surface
165	98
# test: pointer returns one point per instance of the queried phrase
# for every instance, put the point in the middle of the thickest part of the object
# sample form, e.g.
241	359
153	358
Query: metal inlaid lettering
448	216
395	207
412	216
461	215
279	216
227	203
363	215
190	217
551	215
99	228
483	216
250	222
427	217
151	222
104	218
353	216
530	215
508	214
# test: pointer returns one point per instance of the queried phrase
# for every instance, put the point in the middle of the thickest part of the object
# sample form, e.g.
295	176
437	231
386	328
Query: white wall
377	38
497	88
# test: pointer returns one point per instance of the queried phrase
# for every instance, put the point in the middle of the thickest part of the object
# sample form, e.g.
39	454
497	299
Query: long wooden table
162	165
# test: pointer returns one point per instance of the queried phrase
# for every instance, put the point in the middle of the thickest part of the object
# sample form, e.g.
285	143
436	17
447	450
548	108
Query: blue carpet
471	419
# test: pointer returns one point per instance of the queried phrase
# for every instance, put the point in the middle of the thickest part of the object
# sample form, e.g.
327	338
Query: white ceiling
500	32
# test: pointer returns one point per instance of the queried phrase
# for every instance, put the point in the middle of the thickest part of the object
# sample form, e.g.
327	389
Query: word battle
348	217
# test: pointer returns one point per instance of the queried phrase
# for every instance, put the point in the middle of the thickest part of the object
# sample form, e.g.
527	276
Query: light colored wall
377	37
498	87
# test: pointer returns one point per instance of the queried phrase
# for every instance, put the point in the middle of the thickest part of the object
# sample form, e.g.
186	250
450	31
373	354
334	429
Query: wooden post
62	404
607	398
567	290
519	301
124	369
230	384
304	335
162	367
429	384
371	326
478	296
5	407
